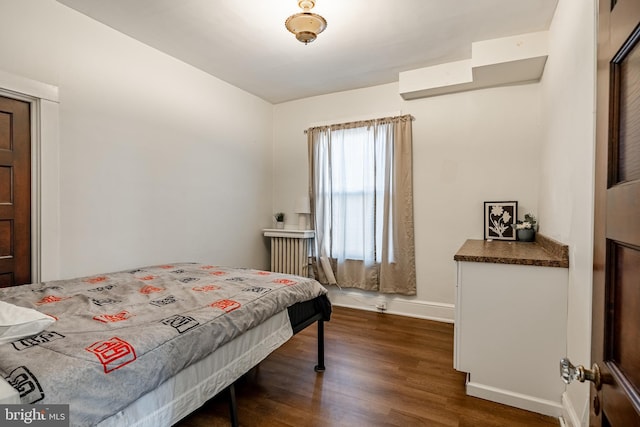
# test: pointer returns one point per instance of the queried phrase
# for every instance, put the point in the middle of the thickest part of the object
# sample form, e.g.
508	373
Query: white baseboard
522	401
569	413
440	312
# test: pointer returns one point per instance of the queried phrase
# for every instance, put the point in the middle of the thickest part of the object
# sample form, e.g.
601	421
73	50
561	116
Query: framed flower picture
499	220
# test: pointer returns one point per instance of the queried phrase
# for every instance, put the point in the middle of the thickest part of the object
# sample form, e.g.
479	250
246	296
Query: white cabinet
510	333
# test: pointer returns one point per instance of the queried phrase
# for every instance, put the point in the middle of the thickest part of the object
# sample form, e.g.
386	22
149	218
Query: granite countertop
544	252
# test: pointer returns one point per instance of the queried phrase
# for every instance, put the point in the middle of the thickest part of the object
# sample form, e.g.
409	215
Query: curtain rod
363	123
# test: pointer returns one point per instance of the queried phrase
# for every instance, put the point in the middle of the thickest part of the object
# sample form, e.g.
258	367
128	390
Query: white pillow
20	322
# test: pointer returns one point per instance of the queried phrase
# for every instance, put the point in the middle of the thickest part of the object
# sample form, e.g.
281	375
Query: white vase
279	224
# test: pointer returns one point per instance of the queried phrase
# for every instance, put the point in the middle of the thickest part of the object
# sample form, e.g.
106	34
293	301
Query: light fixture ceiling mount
306	25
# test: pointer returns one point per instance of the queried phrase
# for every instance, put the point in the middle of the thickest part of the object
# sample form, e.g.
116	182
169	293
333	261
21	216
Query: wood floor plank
382	370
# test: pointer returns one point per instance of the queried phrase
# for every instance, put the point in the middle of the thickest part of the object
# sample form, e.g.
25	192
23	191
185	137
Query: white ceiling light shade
306	25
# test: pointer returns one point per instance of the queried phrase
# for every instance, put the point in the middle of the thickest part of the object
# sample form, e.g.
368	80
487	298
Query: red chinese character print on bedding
113	353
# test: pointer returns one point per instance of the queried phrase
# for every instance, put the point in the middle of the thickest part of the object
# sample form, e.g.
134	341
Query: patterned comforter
120	335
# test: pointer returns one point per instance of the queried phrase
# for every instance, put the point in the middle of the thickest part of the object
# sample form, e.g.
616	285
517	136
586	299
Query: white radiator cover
290	255
290	250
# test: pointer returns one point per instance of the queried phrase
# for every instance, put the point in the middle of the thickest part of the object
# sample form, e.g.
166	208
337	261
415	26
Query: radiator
290	255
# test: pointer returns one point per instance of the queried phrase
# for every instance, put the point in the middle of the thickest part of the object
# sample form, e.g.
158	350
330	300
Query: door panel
625	314
616	280
627	160
15	192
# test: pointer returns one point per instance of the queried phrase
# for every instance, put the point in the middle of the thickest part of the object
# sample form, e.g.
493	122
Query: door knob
568	372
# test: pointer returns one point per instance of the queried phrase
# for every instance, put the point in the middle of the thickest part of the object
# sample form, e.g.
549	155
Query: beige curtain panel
361	193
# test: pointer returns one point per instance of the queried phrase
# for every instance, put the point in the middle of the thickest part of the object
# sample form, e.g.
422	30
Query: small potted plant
279	217
526	229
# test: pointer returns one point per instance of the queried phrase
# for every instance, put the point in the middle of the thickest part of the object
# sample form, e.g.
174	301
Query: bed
145	347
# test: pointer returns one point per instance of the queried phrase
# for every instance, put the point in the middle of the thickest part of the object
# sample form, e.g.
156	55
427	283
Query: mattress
120	336
194	385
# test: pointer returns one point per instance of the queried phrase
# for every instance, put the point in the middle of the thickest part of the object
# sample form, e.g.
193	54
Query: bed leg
320	366
233	408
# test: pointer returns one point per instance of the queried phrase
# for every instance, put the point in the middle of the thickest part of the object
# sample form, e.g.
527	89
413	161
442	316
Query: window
356	179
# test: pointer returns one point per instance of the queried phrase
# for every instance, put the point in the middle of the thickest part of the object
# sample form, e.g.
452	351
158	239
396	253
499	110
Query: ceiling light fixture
306	25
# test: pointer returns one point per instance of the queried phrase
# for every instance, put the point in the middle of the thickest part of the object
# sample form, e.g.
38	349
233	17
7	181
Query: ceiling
366	43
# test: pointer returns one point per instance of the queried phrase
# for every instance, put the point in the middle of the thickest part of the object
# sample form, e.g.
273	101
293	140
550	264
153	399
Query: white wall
566	181
157	162
468	148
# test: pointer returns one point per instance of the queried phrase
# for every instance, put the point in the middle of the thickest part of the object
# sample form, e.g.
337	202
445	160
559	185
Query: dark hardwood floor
382	370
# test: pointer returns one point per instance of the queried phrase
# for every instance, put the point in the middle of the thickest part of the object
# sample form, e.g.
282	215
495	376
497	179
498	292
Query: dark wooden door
616	286
15	192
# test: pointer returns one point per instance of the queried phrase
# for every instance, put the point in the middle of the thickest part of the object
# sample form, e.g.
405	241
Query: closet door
15	192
